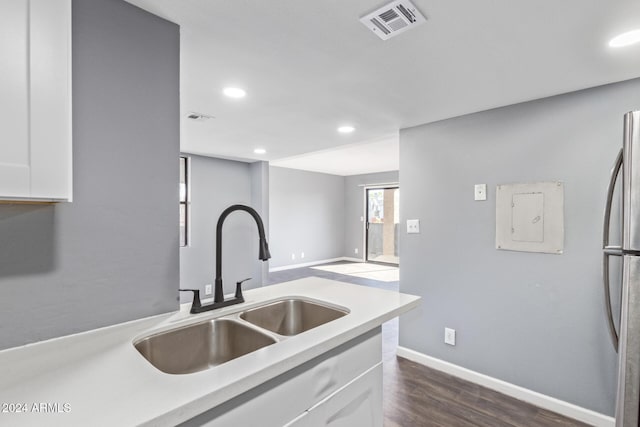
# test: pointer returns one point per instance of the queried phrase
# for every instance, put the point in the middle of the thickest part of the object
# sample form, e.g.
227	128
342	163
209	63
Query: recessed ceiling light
626	39
234	92
260	151
346	129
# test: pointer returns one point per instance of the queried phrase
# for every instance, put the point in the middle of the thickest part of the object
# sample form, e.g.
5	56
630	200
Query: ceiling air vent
198	116
393	19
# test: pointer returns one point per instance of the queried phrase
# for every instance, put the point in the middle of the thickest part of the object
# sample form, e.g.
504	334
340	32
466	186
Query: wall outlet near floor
293	256
449	336
355	251
208	289
301	254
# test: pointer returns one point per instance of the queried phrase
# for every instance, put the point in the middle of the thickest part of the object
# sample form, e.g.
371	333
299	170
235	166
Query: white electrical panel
530	217
527	217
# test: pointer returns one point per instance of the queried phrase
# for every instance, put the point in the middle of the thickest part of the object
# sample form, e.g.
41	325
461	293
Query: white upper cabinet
35	100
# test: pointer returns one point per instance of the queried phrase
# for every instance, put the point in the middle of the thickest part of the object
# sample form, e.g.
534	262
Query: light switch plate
413	226
449	336
480	192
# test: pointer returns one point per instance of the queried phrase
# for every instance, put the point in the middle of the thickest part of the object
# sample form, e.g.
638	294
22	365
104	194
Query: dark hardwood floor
417	396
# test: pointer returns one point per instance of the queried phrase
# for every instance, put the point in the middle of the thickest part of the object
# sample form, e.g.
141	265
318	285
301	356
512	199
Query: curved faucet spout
263	254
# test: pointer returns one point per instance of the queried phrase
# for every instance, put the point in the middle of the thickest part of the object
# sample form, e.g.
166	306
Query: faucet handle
239	288
196	296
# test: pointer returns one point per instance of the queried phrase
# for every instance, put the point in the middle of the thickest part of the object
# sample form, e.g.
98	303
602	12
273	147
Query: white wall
111	255
260	202
354	202
307	215
217	184
318	211
534	320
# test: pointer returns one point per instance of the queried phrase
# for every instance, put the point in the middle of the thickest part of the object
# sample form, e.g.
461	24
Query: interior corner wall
112	254
216	184
354	206
260	201
307	215
534	320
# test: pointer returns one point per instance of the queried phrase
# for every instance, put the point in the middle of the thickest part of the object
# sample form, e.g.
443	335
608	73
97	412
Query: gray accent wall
217	184
534	320
306	215
111	255
260	202
354	207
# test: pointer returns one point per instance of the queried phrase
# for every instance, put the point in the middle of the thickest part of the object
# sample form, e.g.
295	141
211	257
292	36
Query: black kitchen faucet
218	297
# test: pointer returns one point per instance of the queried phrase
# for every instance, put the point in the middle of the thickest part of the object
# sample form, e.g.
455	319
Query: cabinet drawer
358	404
282	399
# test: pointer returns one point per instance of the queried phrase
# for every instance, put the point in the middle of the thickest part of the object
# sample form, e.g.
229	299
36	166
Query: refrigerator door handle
610	250
613	250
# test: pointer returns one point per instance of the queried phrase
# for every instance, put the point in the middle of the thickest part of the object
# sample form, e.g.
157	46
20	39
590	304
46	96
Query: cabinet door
358	404
14	99
285	400
35	99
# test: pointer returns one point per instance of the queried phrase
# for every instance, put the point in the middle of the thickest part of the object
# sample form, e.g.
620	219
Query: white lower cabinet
358	404
342	387
35	100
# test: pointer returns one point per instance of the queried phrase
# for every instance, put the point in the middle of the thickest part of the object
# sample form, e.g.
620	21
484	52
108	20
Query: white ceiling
352	159
310	66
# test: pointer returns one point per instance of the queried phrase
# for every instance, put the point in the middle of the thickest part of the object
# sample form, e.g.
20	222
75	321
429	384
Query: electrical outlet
449	336
356	251
208	289
413	226
293	256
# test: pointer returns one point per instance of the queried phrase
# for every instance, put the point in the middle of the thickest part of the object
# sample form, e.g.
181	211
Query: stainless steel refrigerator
626	340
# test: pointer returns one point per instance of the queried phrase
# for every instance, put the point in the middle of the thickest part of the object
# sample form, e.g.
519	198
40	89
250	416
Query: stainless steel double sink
199	346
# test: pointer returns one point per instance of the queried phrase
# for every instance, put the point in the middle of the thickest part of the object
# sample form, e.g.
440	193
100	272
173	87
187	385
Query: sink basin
201	346
291	316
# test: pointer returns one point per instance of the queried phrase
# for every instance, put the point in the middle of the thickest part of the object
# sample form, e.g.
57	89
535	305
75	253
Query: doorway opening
381	228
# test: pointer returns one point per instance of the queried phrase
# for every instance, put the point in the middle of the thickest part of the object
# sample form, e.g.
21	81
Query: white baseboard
307	264
347	258
538	399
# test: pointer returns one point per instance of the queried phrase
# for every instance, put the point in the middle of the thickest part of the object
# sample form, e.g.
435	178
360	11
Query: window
184	201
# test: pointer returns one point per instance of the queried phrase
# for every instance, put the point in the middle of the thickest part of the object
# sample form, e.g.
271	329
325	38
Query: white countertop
98	378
